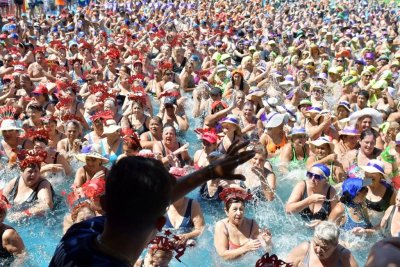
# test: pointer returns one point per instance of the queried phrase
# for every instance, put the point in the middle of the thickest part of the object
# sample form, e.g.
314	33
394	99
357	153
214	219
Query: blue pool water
41	235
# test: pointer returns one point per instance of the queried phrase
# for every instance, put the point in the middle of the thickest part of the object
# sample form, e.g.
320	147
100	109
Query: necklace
112	252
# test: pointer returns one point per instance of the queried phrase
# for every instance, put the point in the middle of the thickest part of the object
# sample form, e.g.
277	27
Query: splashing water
42	234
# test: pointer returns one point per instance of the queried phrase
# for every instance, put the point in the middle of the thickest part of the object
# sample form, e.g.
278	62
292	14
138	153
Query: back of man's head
138	191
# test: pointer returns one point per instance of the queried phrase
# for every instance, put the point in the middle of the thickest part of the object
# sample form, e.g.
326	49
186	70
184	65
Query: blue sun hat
325	170
354	185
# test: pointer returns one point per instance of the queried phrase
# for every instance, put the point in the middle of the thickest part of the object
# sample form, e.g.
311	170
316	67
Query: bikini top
232	245
322	214
187	222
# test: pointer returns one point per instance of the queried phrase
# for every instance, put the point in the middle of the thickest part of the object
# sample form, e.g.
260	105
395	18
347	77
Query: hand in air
225	166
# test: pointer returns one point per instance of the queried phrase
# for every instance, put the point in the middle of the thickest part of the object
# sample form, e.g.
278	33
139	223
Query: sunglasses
315	176
339	60
369	76
169	106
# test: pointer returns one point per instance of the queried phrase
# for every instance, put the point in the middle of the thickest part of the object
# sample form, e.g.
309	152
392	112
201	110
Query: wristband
27	212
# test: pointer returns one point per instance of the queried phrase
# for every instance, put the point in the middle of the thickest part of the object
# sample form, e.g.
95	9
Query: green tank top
294	158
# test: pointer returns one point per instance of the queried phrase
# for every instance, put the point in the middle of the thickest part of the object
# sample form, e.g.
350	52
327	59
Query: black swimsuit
32	197
382	204
164	153
322	214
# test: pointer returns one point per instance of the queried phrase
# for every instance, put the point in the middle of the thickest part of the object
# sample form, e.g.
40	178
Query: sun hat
289	81
8	125
374	166
325	170
225	57
91	151
354	185
297	131
349	130
371	112
321	141
170	86
41	89
255	92
288	109
221	68
275	119
305	102
314	109
386	75
371	68
111	127
210	136
216	56
344	104
366	72
395	63
231	119
369	55
348	80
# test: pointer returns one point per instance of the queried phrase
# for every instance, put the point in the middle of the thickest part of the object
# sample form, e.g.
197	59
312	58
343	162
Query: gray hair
327	232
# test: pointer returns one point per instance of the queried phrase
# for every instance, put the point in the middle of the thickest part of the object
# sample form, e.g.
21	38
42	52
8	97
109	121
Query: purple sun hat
369	56
349	130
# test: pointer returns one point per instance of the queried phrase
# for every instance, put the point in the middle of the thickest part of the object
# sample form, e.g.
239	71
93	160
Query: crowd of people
117	88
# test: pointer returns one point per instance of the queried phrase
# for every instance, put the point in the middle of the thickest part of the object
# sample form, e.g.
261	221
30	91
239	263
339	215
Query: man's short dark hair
138	191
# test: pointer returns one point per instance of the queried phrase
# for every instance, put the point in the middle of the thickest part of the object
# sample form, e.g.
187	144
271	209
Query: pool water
42	234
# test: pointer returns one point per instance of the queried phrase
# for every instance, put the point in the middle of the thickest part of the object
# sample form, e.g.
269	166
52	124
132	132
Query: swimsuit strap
23	143
56	157
305	191
294	158
306	260
14	191
164	151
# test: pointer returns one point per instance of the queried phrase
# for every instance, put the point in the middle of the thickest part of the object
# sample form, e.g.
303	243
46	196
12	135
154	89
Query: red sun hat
41	89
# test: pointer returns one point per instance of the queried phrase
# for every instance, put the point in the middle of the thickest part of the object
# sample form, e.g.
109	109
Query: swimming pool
41	235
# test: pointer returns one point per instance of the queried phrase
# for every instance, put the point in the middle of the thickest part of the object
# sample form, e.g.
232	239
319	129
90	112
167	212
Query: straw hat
91	151
374	166
111	127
